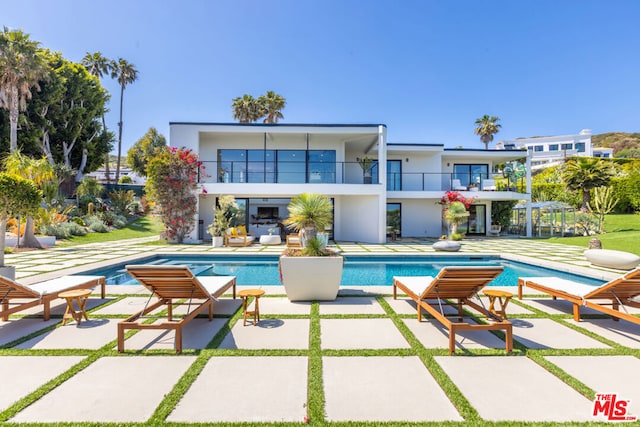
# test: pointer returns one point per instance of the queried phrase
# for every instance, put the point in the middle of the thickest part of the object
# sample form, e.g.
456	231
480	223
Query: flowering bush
171	182
454	196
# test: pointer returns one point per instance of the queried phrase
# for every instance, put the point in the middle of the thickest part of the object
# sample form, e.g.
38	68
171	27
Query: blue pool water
358	270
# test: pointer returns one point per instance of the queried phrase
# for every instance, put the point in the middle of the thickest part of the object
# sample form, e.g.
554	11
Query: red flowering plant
172	180
454	210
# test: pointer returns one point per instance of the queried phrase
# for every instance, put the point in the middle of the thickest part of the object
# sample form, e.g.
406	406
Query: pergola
548	219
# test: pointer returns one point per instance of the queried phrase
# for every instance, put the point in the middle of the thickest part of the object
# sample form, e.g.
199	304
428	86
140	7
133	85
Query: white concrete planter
8	271
311	278
44	241
217	241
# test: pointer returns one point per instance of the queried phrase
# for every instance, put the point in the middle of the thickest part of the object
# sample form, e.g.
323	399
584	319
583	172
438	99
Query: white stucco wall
357	219
420	217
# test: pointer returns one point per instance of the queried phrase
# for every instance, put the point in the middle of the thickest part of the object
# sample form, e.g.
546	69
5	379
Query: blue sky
426	69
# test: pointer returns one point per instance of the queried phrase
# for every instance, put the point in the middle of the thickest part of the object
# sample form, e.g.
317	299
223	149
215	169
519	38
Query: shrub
171	182
121	201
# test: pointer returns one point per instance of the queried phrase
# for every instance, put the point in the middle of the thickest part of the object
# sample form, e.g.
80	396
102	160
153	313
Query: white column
528	183
382	183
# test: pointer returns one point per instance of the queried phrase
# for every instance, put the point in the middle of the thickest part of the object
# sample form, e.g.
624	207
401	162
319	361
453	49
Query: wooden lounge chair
619	292
170	282
238	236
454	283
295	240
42	292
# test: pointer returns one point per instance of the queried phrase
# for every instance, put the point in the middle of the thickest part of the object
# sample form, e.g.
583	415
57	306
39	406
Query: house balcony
287	173
352	173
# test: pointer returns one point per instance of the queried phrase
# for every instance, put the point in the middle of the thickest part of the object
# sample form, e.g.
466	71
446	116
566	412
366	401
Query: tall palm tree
586	173
247	109
99	66
486	127
125	73
21	67
272	103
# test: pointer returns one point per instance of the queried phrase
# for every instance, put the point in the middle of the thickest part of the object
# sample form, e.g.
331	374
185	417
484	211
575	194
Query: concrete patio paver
605	374
112	389
246	389
14	329
22	375
621	332
195	335
340	334
351	305
432	334
269	334
275	305
546	333
383	389
515	389
90	334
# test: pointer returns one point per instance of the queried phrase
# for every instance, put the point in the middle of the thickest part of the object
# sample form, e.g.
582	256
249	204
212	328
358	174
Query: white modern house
552	150
378	189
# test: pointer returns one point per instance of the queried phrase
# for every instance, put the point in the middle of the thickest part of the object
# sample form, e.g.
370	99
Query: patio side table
80	296
500	297
245	294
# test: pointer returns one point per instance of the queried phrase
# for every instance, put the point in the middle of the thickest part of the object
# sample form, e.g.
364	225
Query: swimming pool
358	270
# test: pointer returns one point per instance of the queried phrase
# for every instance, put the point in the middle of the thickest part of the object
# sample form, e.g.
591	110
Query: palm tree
126	73
311	212
272	103
486	127
247	109
99	66
586	173
21	67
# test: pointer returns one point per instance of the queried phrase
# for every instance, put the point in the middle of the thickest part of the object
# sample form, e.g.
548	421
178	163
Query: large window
470	174
283	166
476	221
394	220
394	175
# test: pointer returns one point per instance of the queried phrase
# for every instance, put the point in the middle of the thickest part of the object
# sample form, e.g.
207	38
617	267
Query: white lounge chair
457	186
489	185
42	292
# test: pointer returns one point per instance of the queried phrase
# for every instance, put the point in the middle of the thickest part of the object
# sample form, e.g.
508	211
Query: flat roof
280	124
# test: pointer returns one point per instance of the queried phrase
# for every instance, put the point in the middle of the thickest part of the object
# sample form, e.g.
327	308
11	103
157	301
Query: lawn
622	234
145	226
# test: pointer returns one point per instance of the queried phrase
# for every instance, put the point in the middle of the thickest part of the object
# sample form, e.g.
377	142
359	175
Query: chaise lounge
168	283
42	292
619	292
455	283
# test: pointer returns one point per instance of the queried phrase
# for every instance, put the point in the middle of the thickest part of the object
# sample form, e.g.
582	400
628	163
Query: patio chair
42	292
238	236
457	186
295	240
168	283
454	283
488	185
619	292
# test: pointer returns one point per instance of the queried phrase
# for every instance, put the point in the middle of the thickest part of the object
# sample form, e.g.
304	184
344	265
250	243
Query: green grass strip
315	384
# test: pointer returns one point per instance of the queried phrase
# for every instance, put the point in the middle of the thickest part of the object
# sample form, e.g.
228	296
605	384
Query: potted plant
223	213
18	196
312	273
365	164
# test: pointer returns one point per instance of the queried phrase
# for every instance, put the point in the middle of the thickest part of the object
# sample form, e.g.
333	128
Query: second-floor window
470	174
277	166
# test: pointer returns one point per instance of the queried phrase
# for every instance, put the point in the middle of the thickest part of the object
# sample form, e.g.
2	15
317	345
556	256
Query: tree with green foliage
62	120
247	109
100	66
18	196
126	74
584	174
144	150
41	173
21	69
272	105
487	126
171	183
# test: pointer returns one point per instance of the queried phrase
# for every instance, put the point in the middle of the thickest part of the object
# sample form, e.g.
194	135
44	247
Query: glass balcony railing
351	173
